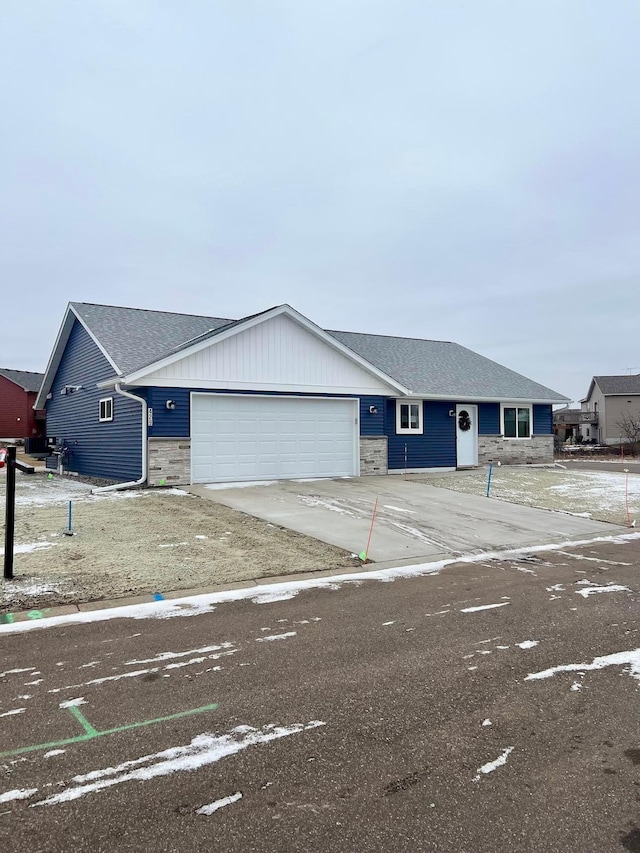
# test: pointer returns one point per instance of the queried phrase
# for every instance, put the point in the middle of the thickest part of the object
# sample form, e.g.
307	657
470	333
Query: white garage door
236	438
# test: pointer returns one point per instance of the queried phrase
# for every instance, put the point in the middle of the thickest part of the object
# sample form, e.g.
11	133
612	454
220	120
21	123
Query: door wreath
464	421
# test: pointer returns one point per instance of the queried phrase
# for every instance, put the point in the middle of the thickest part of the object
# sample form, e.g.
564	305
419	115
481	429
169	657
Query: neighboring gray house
173	398
609	401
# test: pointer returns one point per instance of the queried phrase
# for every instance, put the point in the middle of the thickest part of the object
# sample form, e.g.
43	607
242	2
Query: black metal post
10	513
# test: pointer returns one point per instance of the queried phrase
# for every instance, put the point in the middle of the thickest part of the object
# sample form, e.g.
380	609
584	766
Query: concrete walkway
414	520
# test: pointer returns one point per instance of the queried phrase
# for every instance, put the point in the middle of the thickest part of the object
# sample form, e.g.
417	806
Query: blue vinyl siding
372	424
435	448
542	419
112	449
489	419
175	423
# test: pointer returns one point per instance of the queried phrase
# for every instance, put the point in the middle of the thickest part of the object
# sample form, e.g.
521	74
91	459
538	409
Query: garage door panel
253	438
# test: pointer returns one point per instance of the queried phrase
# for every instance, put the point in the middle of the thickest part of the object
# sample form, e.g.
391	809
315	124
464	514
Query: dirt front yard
152	541
593	494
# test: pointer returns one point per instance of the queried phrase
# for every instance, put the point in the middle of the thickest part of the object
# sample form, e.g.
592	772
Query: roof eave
471	398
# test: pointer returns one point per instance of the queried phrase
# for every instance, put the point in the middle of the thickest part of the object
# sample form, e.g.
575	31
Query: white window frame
516	406
109	409
419	430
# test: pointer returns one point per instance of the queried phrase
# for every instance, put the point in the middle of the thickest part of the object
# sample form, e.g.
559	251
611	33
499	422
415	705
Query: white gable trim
213	339
57	352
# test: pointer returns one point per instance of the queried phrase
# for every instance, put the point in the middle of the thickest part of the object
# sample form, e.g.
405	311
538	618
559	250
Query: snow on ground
595	494
281	591
630	659
219	804
203	750
594	590
493	765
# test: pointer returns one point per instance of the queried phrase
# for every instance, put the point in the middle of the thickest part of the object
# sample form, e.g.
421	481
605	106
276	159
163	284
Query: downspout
143	479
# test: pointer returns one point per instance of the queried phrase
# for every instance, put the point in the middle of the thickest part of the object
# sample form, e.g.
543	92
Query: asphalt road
371	717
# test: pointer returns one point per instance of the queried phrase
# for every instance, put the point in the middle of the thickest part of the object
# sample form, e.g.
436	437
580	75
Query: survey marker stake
69	531
363	555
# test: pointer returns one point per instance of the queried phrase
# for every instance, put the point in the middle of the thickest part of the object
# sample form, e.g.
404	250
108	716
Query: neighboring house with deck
18	391
169	398
610	401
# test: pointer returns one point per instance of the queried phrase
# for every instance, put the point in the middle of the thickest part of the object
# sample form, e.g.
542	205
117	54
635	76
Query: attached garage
237	437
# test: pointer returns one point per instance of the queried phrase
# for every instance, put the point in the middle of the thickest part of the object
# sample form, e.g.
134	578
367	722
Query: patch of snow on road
12	713
73	703
576	685
219	804
557	587
400	509
200	536
203	750
17	794
630	658
493	765
173	545
53	752
528	644
487	723
163	656
594	590
392	622
269	638
17	671
483	607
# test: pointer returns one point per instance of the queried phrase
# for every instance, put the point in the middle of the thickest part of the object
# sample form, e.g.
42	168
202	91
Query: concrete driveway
414	520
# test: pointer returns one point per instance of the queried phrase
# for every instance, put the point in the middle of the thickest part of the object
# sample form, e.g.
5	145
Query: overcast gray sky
461	170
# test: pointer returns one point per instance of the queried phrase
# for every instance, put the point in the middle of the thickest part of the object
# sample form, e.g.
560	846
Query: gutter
143	479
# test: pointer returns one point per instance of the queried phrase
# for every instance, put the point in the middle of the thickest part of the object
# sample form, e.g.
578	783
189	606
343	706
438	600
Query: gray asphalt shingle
443	368
26	379
619	384
135	337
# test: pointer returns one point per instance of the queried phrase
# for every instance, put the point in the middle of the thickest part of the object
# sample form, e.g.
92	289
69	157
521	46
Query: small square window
105	411
516	421
408	417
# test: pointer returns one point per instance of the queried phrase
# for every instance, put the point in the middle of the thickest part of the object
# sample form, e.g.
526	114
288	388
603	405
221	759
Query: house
611	403
169	398
18	391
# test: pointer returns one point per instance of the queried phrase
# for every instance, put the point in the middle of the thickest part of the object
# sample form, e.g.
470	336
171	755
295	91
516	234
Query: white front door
466	435
236	437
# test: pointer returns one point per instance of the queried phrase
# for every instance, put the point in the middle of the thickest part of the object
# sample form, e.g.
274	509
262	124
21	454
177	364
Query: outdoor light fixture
452	413
170	404
373	410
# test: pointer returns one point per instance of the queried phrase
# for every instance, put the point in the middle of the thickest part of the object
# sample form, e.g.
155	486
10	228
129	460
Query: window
106	409
408	417
516	421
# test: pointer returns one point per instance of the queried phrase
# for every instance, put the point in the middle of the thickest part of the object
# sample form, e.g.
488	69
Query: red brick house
18	391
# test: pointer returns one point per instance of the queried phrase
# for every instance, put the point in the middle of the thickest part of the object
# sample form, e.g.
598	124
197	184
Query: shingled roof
134	339
26	379
619	384
442	368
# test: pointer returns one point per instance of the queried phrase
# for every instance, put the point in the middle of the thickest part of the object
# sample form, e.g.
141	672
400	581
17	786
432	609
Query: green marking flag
50	476
363	556
162	482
